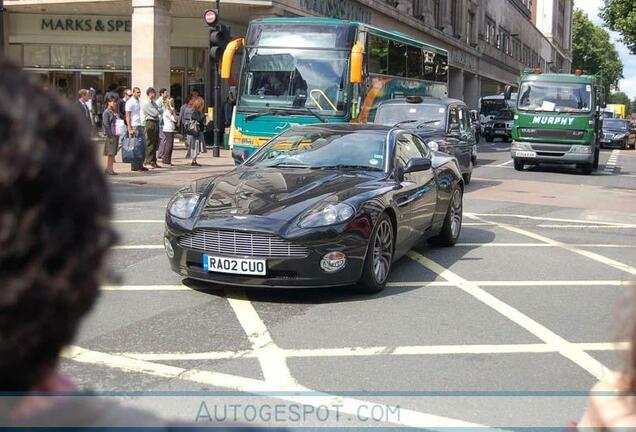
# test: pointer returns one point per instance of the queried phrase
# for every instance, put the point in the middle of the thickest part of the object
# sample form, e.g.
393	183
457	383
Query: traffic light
219	38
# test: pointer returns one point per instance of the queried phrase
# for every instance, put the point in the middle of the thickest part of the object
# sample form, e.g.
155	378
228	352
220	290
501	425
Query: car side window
453	120
407	148
426	152
464	124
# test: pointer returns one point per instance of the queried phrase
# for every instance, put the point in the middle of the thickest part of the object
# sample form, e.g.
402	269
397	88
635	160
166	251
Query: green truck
557	120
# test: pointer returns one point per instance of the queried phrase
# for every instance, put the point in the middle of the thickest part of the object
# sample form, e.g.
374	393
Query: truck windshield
296	66
555	97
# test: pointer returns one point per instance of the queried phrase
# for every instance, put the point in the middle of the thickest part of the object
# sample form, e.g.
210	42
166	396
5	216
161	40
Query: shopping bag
132	149
120	127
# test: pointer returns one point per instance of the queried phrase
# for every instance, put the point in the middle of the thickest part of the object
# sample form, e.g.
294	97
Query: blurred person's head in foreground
54	230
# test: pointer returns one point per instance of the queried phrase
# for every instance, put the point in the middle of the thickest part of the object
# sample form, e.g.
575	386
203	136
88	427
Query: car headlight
433	145
183	203
620	136
581	149
331	214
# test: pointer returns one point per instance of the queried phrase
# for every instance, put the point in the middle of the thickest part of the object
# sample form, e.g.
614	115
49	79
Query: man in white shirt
135	126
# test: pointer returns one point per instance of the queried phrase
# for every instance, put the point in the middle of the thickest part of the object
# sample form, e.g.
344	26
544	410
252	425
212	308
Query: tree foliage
620	16
594	52
620	98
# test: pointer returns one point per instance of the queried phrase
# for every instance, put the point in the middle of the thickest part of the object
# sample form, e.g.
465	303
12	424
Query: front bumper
281	272
550	153
613	143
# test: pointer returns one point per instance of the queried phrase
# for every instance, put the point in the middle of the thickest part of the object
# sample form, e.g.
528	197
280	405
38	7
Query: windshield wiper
288	165
419	122
353	167
273	111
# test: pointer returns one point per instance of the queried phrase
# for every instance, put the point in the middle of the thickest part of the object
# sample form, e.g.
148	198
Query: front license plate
525	154
239	266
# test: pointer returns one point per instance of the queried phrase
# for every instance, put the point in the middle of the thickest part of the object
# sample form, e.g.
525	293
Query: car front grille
499	126
608	136
240	243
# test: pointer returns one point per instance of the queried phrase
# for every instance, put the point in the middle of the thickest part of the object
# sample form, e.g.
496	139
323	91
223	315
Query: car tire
625	145
373	278
452	227
586	168
468	176
518	164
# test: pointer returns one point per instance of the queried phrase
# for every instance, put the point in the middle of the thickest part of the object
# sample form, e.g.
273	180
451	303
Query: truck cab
557	121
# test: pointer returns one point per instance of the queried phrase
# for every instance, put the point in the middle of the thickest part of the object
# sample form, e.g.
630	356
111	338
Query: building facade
73	44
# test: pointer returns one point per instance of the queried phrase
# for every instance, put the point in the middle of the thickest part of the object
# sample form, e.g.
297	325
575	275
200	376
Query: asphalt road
508	329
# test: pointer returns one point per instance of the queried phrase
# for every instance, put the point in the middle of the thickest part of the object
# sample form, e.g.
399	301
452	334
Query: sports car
317	206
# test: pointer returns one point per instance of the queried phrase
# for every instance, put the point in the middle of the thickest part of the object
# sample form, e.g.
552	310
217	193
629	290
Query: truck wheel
596	158
585	168
518	163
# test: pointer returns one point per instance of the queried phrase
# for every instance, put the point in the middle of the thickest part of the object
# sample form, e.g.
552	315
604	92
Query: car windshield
432	115
614	124
315	148
555	97
491	107
505	115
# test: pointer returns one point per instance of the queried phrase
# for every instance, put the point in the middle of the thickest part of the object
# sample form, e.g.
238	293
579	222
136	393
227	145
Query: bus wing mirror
228	57
356	64
508	92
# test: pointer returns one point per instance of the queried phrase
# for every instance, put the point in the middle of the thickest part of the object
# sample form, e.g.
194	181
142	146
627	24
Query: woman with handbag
109	123
195	128
169	129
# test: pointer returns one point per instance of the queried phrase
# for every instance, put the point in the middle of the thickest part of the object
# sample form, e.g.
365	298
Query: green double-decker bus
557	120
310	70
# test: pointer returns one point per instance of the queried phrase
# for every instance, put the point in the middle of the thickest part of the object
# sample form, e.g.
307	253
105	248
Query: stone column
151	31
472	90
456	83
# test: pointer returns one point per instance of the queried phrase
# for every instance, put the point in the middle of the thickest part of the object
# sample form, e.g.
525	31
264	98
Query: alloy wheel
382	251
456	211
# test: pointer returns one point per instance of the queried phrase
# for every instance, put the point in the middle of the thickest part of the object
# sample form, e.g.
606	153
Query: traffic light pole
216	149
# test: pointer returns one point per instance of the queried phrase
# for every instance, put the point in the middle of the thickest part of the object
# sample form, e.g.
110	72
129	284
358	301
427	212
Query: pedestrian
169	129
135	126
84	97
184	115
113	90
91	109
127	94
197	142
150	117
99	108
163	95
109	120
55	238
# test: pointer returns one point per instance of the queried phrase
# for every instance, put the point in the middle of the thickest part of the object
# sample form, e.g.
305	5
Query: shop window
37	56
14	52
397	59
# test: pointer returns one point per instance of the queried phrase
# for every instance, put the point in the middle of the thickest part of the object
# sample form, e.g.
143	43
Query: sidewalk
180	173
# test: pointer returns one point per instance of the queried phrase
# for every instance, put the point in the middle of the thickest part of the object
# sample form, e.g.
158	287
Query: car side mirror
239	156
418	164
508	92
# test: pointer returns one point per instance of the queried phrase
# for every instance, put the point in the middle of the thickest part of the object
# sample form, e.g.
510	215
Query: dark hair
163	90
112	98
55	227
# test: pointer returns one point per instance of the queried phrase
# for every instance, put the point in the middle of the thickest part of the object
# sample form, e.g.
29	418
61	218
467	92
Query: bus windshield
491	107
296	66
555	97
294	78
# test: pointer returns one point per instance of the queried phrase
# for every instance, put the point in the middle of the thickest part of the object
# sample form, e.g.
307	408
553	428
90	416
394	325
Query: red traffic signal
211	17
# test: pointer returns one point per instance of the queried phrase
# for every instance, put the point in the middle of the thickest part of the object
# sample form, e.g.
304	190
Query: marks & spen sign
82	24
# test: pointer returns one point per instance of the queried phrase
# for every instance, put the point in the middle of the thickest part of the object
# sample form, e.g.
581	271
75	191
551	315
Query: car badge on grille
239	217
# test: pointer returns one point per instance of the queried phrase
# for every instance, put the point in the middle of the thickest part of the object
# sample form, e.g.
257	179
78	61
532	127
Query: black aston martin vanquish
317	206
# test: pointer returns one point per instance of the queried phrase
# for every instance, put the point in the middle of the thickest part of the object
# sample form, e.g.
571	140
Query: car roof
345	127
425	100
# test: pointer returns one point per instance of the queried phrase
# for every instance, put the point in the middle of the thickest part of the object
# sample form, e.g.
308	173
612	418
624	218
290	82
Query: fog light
333	261
168	246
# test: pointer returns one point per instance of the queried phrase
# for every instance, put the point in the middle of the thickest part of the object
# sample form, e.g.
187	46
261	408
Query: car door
416	195
456	137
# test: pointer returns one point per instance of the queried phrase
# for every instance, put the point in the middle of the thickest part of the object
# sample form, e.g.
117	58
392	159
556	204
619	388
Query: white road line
591	255
508	283
589	245
541	218
565	348
137	221
474	224
368	351
504	164
145	288
269	355
624	226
